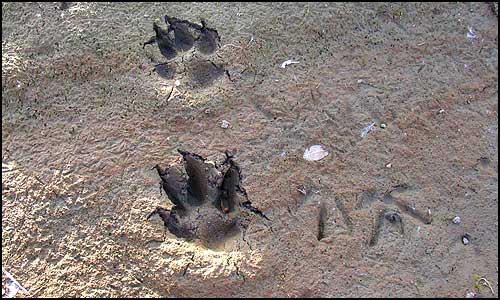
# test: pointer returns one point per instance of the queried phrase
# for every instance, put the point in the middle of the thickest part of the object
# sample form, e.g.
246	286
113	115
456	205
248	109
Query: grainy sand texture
85	116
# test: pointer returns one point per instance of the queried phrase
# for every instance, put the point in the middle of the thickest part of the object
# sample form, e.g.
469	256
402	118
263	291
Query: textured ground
84	119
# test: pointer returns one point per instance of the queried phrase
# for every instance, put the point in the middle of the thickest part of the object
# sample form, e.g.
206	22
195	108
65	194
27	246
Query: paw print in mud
208	199
183	37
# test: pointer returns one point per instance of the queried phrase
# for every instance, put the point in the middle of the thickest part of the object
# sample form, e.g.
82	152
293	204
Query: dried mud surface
84	119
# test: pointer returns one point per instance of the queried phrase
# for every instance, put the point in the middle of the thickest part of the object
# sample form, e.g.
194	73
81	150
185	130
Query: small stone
360	80
441	111
225	124
466	239
388	166
470	295
177	83
383	125
456	220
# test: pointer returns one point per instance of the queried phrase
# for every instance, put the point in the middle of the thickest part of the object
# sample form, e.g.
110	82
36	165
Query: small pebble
225	124
441	111
383	125
456	220
388	166
465	239
470	295
177	83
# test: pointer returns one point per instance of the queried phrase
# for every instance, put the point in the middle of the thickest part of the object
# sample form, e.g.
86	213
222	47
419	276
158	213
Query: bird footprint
208	202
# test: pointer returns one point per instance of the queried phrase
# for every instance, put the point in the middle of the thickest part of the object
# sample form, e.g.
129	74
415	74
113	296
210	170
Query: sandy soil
84	119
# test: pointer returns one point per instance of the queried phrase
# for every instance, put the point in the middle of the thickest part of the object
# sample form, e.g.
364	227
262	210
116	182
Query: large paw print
182	35
208	199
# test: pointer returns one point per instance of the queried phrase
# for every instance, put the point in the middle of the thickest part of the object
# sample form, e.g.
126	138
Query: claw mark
243	238
238	272
188	264
228	75
248	205
162	212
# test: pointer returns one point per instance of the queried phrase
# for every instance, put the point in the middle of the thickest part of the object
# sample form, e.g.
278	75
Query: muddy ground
84	119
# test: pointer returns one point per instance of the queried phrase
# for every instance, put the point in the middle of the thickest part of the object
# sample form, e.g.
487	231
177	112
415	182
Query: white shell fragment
12	286
367	129
465	240
315	152
288	62
471	35
225	124
456	220
12	290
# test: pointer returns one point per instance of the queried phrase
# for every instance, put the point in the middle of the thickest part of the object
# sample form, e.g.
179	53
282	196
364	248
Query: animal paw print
182	35
208	199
